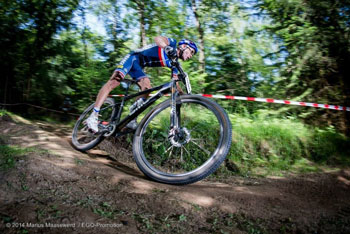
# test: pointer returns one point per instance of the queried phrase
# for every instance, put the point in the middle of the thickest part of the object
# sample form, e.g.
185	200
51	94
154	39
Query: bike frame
164	89
120	124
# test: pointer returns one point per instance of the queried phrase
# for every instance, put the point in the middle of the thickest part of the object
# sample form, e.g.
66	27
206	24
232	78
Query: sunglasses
192	50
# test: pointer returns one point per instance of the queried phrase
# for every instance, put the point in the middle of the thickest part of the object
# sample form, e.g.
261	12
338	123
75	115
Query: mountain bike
179	141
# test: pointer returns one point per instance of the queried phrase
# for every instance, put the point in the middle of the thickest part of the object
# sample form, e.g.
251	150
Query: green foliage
313	37
328	146
88	81
161	153
28	40
273	145
10	154
160	76
291	49
250	48
4	112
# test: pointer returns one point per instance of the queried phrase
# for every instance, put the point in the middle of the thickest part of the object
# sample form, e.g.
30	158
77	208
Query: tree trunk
141	6
201	35
346	91
28	88
5	91
114	33
115	26
83	34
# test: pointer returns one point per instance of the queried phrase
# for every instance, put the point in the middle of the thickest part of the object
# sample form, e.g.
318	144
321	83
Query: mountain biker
154	55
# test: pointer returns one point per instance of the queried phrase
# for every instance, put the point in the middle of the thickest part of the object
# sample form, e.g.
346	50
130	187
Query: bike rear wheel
198	148
83	138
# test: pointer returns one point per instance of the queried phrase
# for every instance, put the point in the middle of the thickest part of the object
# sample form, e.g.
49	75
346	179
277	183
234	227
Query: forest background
283	49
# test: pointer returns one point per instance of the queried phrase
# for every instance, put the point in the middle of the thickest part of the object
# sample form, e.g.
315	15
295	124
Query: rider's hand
170	51
179	89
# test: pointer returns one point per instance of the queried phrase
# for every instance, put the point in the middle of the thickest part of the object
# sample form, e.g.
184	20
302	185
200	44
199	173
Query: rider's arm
175	77
161	41
178	87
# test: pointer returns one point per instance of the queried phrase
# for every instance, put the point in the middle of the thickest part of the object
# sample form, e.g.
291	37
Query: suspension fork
175	114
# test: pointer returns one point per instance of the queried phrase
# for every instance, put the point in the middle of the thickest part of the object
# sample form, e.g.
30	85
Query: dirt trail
93	192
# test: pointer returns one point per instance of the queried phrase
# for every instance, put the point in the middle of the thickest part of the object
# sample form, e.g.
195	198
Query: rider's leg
144	83
112	83
122	69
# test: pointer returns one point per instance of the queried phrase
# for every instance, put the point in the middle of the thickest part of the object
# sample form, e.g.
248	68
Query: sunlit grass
274	146
4	112
260	146
10	154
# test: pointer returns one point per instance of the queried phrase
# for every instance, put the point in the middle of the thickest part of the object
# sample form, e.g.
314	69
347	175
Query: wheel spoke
85	129
83	138
182	159
186	150
170	148
171	152
206	151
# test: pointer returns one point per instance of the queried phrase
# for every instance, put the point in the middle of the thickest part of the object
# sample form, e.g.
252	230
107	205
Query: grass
204	129
215	222
260	145
10	154
273	146
40	116
4	112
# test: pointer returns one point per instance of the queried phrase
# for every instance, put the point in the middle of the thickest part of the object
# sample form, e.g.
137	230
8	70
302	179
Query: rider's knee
144	83
114	80
117	75
112	84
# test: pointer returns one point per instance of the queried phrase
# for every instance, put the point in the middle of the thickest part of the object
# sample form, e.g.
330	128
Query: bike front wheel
196	149
84	138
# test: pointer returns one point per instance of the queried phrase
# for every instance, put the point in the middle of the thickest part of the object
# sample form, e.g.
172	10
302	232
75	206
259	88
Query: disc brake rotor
179	137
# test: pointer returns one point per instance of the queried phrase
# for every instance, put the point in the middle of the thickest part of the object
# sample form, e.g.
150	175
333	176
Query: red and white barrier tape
268	100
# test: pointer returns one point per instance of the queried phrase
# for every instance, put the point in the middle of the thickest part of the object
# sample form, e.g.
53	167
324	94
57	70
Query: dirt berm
54	189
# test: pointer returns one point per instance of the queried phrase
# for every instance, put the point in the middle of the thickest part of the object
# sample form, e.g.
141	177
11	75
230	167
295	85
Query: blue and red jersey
148	56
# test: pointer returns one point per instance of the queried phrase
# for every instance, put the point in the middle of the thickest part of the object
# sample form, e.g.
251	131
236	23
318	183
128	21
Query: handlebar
175	64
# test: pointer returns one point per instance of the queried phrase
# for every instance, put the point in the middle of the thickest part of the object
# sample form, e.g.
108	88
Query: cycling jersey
148	56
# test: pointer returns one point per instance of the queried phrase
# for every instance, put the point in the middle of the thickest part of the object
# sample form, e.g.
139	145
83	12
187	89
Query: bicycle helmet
190	44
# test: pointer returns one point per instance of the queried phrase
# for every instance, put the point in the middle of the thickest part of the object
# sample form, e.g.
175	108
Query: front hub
179	137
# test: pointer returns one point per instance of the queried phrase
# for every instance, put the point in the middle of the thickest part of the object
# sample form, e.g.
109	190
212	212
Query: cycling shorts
130	64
